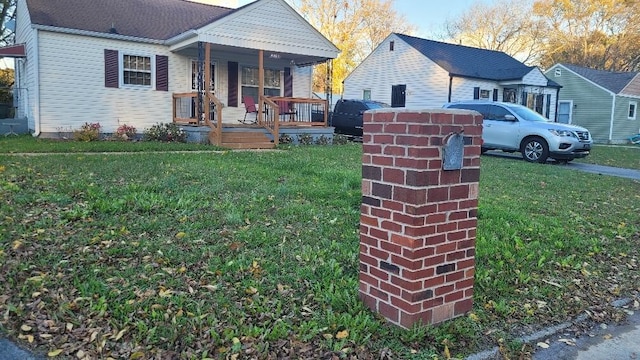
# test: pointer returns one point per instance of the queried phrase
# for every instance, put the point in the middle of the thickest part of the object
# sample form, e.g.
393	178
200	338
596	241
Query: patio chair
285	108
249	107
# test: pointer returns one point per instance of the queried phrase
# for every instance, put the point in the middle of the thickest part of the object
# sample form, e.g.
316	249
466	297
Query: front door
564	112
398	95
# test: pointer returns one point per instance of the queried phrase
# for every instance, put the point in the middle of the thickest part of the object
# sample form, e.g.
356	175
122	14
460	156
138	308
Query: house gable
271	25
535	77
404	65
633	87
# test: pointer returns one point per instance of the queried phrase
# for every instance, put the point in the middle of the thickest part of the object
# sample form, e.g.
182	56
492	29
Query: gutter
98	34
181	37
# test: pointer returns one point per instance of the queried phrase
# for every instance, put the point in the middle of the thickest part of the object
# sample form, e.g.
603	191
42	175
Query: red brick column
418	221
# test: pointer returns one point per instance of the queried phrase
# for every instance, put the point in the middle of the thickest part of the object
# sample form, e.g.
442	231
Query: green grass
195	255
627	156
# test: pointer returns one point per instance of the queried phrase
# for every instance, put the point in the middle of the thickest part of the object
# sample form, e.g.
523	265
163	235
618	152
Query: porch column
260	82
207	82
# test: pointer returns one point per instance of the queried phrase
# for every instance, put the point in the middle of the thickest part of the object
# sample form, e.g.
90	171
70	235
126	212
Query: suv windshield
527	114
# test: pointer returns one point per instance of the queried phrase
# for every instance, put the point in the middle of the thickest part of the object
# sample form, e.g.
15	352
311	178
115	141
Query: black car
347	115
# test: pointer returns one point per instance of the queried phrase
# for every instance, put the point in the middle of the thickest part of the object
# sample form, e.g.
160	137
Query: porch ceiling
241	53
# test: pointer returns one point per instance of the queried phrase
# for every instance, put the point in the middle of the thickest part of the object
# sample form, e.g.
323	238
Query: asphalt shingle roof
468	61
149	19
610	80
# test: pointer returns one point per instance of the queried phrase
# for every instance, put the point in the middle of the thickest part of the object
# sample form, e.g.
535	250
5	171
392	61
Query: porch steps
246	140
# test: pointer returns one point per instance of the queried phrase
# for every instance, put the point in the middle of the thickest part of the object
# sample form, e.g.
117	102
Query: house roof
471	62
610	80
149	19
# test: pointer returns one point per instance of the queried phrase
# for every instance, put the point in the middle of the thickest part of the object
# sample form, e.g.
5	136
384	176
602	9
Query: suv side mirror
510	117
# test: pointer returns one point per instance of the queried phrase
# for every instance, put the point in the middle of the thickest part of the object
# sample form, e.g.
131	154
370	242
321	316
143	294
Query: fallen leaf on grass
251	291
342	334
210	287
25	328
54	353
543	345
136	355
607	337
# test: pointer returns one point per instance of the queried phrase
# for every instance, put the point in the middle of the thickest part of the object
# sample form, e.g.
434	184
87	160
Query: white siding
535	78
427	83
463	88
270	25
72	89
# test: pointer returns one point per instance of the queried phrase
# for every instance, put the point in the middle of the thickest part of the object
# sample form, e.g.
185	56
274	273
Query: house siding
535	78
72	89
427	83
623	127
281	29
463	89
591	104
27	71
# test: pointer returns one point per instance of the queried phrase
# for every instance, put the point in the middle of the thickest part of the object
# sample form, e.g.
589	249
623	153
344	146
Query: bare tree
601	34
356	27
7	15
505	25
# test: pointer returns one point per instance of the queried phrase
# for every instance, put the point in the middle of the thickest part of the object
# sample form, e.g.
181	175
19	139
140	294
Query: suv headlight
562	133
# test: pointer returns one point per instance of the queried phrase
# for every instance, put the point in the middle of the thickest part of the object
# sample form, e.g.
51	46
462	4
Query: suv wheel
535	149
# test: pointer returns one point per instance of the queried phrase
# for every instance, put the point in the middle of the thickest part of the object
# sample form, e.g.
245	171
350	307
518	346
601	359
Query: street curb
494	353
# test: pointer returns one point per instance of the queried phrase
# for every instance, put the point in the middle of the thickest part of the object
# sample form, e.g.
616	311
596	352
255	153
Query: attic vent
558	72
391	44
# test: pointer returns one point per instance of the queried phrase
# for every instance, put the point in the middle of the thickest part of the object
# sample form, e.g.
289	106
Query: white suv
510	127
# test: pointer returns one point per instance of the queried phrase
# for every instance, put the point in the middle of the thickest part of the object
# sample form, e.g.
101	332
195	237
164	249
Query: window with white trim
484	94
136	70
366	94
633	110
250	81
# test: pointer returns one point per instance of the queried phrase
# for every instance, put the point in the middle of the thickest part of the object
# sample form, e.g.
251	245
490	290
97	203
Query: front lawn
255	255
627	156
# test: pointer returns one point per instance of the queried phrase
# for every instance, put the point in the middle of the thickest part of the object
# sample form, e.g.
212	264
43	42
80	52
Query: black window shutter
288	82
495	94
162	73
232	89
111	72
476	93
524	98
548	109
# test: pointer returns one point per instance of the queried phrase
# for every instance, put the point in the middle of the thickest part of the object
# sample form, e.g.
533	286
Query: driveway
590	168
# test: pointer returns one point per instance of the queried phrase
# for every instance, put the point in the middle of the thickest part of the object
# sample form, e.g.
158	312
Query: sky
428	16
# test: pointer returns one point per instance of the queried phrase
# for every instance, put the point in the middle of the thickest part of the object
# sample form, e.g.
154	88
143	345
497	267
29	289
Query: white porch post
207	82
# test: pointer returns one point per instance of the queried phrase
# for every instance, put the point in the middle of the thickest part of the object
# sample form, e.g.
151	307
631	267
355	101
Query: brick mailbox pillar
418	220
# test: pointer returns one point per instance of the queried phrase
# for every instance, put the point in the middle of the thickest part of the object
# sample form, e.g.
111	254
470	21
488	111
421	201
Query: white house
413	72
142	62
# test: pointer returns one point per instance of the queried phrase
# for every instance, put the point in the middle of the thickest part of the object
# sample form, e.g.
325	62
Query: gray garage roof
149	19
610	80
470	62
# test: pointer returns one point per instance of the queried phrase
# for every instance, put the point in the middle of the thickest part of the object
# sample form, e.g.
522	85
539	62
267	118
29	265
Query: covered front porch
237	87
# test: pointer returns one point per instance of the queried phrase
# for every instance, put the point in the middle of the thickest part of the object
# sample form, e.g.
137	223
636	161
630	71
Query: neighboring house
142	62
604	102
414	72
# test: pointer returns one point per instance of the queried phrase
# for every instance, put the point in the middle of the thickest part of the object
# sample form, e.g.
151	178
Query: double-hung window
633	110
250	80
136	70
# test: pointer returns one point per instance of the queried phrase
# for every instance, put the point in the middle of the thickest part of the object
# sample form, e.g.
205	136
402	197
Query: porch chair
285	108
249	107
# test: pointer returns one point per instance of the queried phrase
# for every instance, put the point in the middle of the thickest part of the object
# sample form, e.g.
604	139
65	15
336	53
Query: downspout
450	86
36	85
613	111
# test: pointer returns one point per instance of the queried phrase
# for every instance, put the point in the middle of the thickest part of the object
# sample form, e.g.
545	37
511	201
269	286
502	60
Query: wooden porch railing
184	112
274	111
